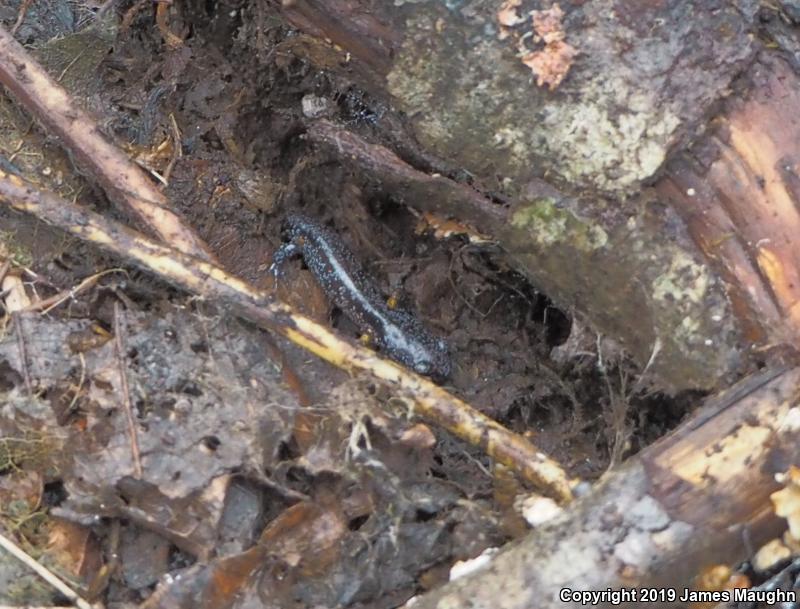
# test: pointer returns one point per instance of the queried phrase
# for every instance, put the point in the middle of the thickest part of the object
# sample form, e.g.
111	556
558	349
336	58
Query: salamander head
436	362
410	343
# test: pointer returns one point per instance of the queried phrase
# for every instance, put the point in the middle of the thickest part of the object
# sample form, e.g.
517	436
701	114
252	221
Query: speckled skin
396	332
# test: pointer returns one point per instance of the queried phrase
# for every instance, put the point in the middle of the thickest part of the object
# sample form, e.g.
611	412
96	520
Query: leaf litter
349	519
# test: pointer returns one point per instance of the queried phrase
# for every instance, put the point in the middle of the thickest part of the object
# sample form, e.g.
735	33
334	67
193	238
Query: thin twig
23	9
48	304
21	143
47	575
126	394
81	381
177	148
653	355
4	270
69	65
37	278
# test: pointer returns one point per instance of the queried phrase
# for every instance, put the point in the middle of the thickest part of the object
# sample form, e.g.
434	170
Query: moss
547	225
34	449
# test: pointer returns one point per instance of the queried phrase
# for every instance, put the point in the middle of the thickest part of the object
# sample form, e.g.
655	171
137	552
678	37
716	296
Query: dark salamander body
396	332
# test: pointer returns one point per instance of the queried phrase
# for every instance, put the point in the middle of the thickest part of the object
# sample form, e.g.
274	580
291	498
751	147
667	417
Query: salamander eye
422	367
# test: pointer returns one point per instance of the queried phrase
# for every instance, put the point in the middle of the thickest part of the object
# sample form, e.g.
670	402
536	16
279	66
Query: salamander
396	332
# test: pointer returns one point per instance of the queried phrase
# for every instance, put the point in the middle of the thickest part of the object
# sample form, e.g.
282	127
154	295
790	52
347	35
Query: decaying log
568	149
697	496
738	190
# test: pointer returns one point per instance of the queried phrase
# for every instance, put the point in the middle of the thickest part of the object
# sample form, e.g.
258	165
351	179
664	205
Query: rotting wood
737	189
259	307
674	509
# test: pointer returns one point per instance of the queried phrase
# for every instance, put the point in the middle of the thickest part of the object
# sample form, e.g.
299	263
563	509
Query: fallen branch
431	192
260	308
124	183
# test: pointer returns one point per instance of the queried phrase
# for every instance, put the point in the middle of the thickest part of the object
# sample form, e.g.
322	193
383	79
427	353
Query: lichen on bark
645	75
667	307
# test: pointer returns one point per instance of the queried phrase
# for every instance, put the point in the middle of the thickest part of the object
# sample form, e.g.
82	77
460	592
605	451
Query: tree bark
737	189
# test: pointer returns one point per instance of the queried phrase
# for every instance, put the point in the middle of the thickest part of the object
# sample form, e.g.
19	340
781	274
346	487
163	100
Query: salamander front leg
281	255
